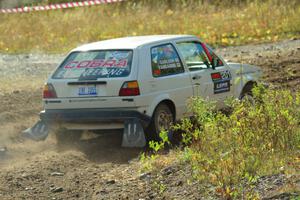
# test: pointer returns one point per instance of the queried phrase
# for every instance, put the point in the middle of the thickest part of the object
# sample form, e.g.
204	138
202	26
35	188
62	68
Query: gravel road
97	167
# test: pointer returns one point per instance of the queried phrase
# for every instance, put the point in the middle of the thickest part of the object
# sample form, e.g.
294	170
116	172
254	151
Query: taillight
130	88
49	91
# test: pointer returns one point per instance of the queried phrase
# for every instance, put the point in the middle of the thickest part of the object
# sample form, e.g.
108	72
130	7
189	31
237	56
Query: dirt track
98	168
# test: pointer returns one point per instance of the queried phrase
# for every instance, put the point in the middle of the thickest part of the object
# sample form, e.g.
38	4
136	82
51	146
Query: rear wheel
67	137
162	119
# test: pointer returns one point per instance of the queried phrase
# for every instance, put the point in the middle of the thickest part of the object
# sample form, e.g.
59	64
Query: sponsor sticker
120	55
91	74
221	81
221	76
122	63
221	87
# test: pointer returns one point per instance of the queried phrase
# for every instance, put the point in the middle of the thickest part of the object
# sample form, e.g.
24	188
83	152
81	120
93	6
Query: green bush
253	140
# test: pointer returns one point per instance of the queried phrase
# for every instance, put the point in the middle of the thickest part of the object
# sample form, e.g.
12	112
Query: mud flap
133	135
38	132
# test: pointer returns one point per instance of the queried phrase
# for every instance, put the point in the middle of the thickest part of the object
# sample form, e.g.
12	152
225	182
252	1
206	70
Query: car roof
130	42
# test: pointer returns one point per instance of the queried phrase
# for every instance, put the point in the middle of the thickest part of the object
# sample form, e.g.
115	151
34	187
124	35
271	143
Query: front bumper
92	116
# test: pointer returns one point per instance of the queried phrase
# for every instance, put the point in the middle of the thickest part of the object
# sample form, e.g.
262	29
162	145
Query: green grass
218	24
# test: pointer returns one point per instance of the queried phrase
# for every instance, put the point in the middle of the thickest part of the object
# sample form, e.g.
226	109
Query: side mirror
214	62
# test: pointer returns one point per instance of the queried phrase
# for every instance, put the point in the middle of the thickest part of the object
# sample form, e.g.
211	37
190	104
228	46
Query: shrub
253	140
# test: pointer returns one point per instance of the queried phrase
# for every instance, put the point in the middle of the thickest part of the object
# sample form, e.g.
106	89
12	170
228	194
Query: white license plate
87	91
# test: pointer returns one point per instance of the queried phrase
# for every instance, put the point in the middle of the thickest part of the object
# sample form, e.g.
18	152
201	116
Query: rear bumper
92	116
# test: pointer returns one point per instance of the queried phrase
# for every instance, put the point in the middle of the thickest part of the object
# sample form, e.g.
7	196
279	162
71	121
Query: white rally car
141	81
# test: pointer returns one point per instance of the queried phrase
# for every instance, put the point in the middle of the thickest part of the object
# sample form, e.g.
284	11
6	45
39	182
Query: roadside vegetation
233	151
220	23
229	151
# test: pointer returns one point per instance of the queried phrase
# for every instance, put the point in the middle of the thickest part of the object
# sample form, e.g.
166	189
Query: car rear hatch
92	79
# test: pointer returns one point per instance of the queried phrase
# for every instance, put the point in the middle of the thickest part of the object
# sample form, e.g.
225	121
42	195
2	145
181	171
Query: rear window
92	65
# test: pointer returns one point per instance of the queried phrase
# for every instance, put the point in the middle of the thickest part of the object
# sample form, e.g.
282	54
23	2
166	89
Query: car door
220	73
197	62
209	82
163	76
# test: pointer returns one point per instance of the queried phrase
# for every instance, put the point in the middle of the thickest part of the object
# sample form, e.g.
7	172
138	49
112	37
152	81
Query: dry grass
60	31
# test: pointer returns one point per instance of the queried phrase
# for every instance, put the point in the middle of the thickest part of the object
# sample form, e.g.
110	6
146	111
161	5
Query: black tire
67	137
162	118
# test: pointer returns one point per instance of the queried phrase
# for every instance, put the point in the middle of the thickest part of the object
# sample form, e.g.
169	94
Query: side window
165	61
194	55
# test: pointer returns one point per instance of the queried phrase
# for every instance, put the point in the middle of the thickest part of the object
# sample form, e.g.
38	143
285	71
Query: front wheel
247	95
248	98
162	119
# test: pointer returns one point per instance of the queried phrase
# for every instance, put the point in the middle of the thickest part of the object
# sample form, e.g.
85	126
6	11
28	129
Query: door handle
196	77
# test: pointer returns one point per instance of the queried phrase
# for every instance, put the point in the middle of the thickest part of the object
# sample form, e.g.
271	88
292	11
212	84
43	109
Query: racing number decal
226	75
221	81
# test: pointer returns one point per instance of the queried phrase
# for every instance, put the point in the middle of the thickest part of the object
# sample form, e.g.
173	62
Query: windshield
92	65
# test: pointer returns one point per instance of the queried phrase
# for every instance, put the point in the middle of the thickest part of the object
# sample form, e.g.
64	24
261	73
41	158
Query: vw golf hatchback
145	80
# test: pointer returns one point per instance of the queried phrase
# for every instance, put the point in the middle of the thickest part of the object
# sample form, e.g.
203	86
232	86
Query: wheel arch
166	100
247	87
